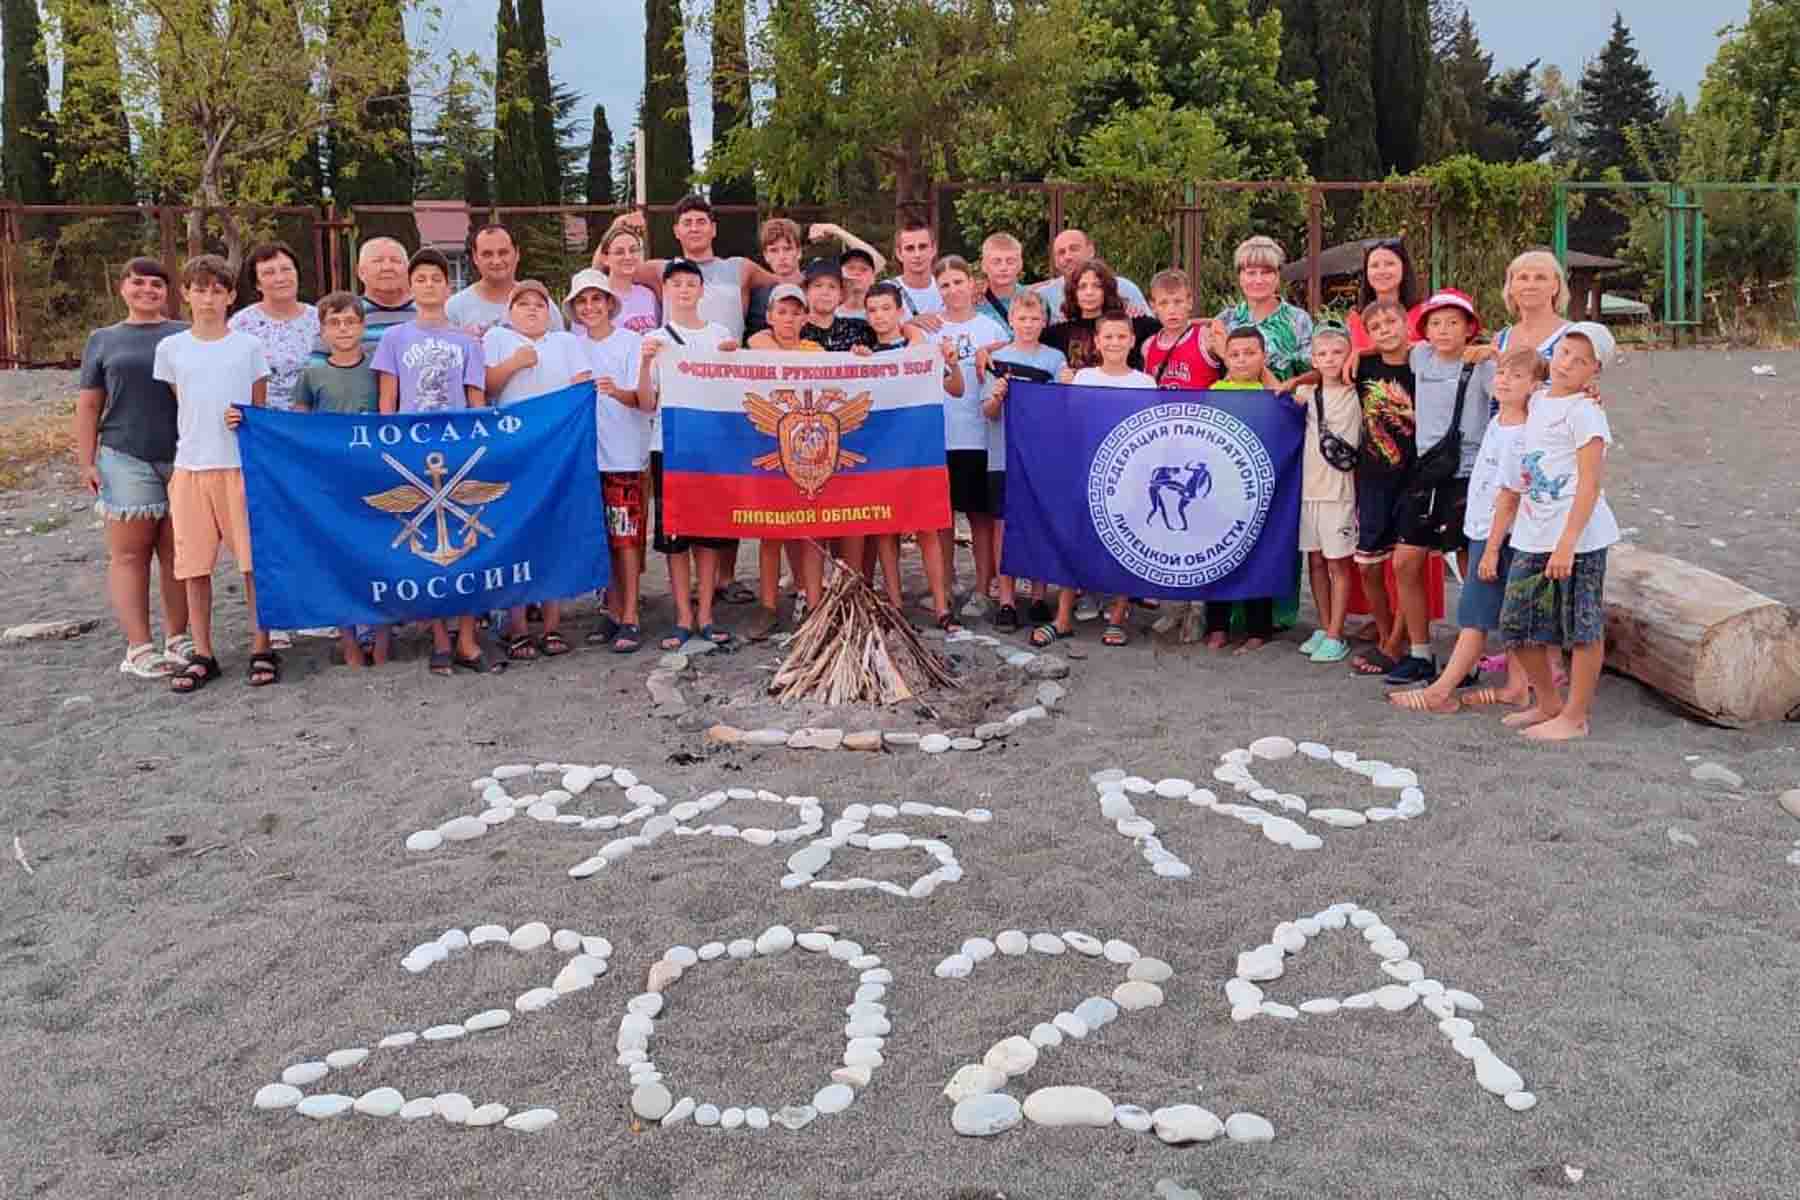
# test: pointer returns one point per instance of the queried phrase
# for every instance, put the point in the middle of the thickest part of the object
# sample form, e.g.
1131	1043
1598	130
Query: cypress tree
536	49
731	60
92	128
600	160
1399	68
518	168
663	113
28	166
1516	129
1347	100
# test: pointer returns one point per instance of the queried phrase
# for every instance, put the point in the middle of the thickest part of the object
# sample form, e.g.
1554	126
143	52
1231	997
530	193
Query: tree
600	160
1444	18
1460	93
1618	94
1371	60
1400	37
543	94
455	151
571	143
519	176
730	59
663	112
1746	124
92	129
1516	129
1561	110
28	159
1347	94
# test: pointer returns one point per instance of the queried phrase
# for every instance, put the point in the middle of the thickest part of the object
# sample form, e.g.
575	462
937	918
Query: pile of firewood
857	648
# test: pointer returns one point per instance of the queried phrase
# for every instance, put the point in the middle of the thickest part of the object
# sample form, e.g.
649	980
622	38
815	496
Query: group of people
1422	438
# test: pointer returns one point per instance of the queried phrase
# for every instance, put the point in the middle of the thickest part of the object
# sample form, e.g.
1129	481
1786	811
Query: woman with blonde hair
1286	330
619	254
1537	296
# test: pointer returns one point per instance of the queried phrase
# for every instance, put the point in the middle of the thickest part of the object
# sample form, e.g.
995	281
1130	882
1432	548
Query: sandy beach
220	890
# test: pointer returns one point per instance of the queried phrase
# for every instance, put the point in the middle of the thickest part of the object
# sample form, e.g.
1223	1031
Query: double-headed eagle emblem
442	498
808	427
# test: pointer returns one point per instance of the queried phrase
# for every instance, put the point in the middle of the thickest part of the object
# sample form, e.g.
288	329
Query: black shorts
997	493
1432	518
1376	498
968	481
661	542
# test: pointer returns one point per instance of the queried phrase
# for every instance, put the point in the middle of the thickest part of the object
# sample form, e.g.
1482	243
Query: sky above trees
602	62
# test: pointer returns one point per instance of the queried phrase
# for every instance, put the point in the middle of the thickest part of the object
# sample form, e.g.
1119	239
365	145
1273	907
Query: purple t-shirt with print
433	365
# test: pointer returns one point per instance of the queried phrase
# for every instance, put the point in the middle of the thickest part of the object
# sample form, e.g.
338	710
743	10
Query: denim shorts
132	489
1482	599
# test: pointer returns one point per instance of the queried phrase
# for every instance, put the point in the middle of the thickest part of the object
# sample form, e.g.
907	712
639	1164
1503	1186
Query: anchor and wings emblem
808	427
447	495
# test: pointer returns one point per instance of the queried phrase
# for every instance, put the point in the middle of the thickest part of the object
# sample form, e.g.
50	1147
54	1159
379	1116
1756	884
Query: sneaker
1312	643
1331	650
1412	669
1087	609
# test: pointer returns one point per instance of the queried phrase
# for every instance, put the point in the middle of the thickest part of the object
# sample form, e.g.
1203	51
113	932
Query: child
1025	357
1246	370
1175	356
1002	258
1328	498
1384	383
527	358
780	240
622	433
344	383
1553	506
965	432
824	292
915	247
857	266
430	365
212	370
682	332
1519	373
788	328
1114	341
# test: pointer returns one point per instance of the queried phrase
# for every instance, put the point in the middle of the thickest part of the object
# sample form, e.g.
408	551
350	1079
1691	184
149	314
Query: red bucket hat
1446	298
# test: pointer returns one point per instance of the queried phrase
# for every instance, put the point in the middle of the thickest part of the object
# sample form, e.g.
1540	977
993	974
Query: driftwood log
1724	653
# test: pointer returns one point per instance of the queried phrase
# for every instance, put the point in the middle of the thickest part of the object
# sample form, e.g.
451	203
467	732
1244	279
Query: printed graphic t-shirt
1389	423
1542	469
964	426
1040	365
433	364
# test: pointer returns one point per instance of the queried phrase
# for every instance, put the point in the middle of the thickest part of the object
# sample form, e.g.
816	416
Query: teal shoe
1312	643
1331	650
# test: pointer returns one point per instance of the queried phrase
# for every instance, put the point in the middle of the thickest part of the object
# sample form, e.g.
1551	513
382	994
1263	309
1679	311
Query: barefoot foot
1557	729
1530	716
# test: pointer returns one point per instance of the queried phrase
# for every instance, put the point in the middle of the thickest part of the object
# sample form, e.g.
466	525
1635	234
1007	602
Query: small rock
487	1114
492	1018
1069	1105
965	744
706	1115
866	740
530	936
304	1074
833	1098
674	663
993	730
277	1095
462	829
418	1108
1011	1056
454	1107
901	739
756	1117
1036	712
1135	994
325	1106
796	1116
1011	942
725	735
44	631
1047	943
1150	970
1521	1101
766	737
1047	666
816	739
425	839
1712	772
1249	1127
985	1115
531	1120
1180	1123
1130	1116
731	1118
1273	747
1096	1011
774	939
1790	802
1496	1076
934	743
651	1101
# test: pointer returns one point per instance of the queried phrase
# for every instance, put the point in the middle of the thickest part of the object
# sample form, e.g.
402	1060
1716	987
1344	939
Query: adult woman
1387	274
287	329
619	254
1286	330
1092	289
125	442
1536	296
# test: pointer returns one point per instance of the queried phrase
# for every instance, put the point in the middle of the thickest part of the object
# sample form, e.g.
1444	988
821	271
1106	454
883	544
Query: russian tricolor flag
762	444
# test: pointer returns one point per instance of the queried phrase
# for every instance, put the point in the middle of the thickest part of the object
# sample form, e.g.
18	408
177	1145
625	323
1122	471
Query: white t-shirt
722	298
964	426
1488	477
468	309
561	357
208	377
920	300
1541	468
682	341
623	432
1095	377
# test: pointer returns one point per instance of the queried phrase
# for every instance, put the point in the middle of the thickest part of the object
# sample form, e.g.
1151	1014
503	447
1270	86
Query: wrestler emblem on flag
808	427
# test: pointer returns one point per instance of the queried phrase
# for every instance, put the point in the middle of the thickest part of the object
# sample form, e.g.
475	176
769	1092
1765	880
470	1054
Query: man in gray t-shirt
483	304
137	415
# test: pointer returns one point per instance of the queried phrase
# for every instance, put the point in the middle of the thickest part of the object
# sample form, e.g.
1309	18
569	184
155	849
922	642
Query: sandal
1048	634
715	635
1006	619
476	665
201	670
1114	635
180	648
440	663
603	632
264	669
1372	662
735	592
674	640
522	648
145	662
628	639
553	645
1414	700
1487	697
947	623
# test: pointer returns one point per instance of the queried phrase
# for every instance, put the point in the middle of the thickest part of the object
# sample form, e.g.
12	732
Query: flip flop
629	638
1048	634
1371	662
1487	697
522	648
476	665
440	663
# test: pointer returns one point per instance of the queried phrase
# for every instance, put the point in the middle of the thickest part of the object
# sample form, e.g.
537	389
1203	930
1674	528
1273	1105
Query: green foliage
368	121
663	116
454	152
28	158
1516	128
518	165
1400	38
730	59
535	46
600	160
69	275
1618	94
92	128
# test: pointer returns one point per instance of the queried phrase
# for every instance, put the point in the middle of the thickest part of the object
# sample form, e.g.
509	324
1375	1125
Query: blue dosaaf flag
373	519
1173	494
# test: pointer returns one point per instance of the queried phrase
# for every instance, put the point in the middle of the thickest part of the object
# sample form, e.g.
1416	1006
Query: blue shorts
132	489
1481	601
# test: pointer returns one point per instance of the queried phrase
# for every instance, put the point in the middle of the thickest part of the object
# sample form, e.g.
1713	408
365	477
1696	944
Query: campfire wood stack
857	648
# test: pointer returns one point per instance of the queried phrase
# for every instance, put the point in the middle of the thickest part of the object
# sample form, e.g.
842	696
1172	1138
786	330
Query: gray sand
1645	990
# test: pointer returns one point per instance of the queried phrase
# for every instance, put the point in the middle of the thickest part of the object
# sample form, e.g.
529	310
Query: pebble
1096	1011
1463	1000
302	1074
956	966
706	1114
1470	1047
1180	1123
684	1108
978	949
857	1076
1047	943
763	737
985	1115
796	1116
462	829
1521	1101
756	1117
1496	1076
1132	1117
1395	998
1322	1007
1273	747
1681	837
1243	992
1712	772
1150	970
1047	666
833	1098
531	1120
418	1108
1120	952
901	739
1070	1024
530	936
1249	1127
965	743
324	1106
277	1095
934	743
1456	1027
1135	994
731	1118
740	948
487	1114
1011	942
774	939
492	1018
425	839
1069	1105
1044	1035
454	1107
1011	1056
1082	943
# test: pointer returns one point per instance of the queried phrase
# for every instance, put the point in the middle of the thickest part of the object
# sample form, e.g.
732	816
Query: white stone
529	936
985	1115
488	1114
1273	747
418	1108
1395	998
462	829
481	935
833	1098
1011	1056
1135	994
684	1108
844	950
1047	943
1395	778
1121	952
454	1107
1096	1011
1180	1123
1463	1000
740	948
1338	818
931	743
1082	943
1044	1035
535	999
425	839
444	1033
1249	1127
651	1101
531	1120
774	939
731	1118
1405	970
324	1106
1322	1007
1261	964
302	1074
1150	970
1711	772
956	966
1285	1012
706	1114
978	949
1243	992
1470	1047
1132	1117
1070	1024
1496	1076
1314	750
1456	1027
277	1095
491	1018
755	1117
1521	1101
857	1076
1069	1105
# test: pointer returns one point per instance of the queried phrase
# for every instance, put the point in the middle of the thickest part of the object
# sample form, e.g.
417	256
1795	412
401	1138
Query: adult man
1069	250
728	281
386	295
916	248
483	304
